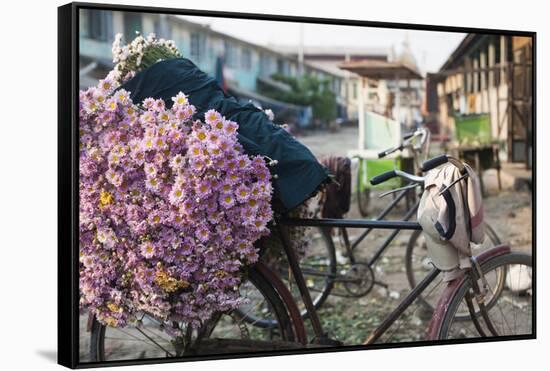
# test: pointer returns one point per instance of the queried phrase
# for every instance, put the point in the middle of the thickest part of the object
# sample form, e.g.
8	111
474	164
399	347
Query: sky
430	48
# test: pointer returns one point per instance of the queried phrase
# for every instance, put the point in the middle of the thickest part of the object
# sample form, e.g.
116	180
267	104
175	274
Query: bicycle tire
320	299
330	273
409	261
453	303
363	199
287	328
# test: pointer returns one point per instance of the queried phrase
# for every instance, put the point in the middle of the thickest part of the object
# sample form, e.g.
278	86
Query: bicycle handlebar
381	178
408	135
389	151
406	142
426	166
434	162
394	173
440	160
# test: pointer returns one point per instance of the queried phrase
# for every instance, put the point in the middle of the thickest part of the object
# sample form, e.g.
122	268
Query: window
161	28
132	23
246	59
198	44
280	66
477	73
336	86
230	54
265	64
100	24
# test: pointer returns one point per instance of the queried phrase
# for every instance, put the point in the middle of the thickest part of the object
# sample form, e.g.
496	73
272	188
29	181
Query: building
379	93
488	74
329	59
245	65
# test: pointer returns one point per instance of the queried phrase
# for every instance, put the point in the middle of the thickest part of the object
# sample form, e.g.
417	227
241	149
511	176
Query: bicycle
287	332
320	264
224	333
492	267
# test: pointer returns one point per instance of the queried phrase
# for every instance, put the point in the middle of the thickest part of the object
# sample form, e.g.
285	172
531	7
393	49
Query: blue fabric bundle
299	174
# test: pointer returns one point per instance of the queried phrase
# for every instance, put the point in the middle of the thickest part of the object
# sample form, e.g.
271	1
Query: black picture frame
68	202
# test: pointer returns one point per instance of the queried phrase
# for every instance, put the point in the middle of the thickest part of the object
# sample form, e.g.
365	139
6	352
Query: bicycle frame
322	337
350	247
342	223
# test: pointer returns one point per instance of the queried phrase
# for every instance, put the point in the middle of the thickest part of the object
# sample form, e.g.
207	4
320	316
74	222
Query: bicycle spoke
157	344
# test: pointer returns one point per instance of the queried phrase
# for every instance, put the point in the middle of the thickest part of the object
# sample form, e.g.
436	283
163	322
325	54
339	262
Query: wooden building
487	75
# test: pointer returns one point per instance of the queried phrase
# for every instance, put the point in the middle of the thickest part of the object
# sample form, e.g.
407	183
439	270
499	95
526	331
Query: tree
307	91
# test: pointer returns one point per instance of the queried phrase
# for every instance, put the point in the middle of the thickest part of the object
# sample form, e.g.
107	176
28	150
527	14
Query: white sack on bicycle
453	220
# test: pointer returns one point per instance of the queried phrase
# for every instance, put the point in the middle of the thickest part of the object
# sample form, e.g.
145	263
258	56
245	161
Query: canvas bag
452	222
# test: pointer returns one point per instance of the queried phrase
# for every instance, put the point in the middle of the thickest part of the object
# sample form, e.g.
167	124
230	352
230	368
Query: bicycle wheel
318	265
226	333
418	264
363	197
510	311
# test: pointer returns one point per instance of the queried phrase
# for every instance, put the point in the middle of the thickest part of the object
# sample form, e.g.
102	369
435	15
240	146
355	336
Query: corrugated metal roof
381	70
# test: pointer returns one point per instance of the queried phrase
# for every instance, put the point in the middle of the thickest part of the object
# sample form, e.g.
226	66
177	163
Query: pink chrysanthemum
171	202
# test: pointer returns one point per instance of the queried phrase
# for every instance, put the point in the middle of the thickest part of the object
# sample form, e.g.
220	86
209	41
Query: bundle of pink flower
169	209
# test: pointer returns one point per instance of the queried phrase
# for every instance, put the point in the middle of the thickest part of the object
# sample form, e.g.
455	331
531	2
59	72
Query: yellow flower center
167	283
113	307
105	198
111	321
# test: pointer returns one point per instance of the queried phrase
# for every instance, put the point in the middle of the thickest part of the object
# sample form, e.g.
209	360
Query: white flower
270	114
